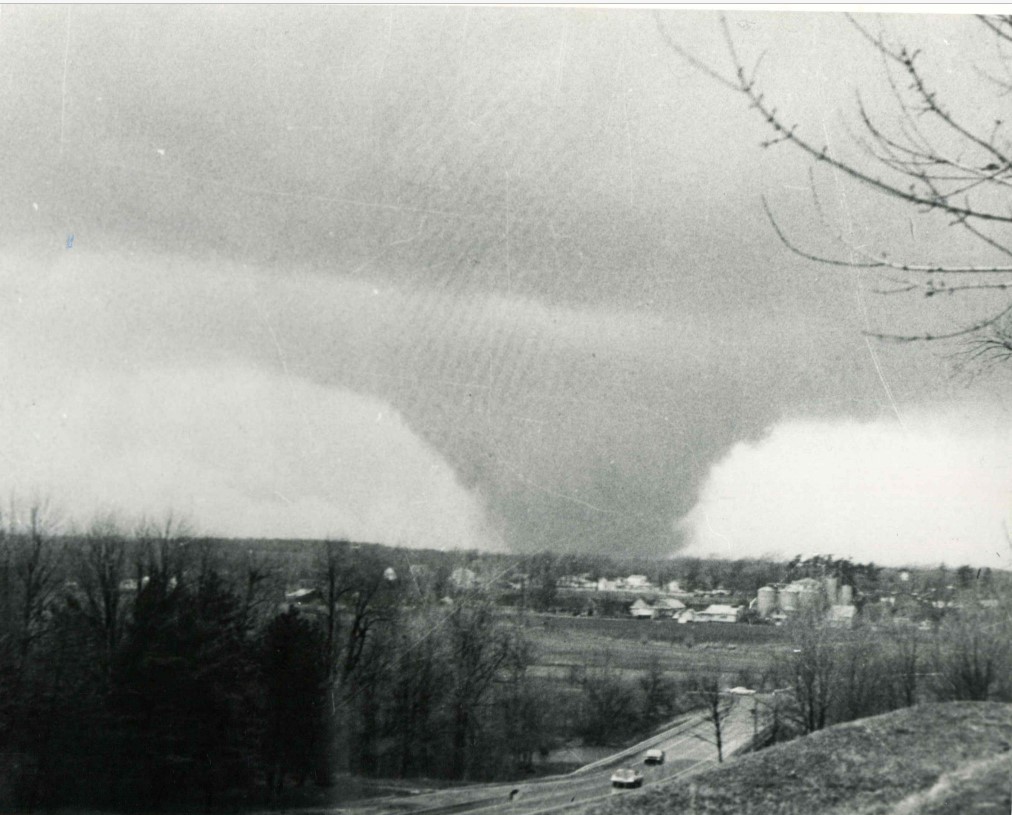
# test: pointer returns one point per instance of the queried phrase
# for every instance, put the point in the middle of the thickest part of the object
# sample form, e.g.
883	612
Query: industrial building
807	595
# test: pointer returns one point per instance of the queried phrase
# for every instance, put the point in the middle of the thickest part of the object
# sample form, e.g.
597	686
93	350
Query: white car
623	779
654	756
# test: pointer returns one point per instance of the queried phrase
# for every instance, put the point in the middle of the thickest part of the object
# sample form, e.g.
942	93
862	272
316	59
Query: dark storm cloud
533	233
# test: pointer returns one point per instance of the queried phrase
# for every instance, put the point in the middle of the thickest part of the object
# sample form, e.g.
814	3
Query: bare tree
163	552
31	560
481	650
930	155
35	559
811	671
658	692
101	562
705	687
609	704
906	659
863	680
973	656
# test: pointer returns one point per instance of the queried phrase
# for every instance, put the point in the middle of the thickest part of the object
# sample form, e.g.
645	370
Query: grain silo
846	595
767	598
808	598
789	598
832	584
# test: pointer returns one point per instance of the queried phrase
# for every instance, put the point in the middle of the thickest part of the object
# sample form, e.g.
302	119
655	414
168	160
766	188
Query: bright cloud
240	453
936	488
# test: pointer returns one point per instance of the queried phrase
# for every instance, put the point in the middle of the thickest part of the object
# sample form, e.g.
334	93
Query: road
688	745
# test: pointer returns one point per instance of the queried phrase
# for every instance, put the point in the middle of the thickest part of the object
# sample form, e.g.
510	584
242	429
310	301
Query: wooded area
149	668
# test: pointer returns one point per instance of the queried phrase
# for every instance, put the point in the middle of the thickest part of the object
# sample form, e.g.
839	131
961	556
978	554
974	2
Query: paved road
689	748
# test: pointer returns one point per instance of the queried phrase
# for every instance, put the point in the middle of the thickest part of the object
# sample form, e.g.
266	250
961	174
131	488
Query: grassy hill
939	759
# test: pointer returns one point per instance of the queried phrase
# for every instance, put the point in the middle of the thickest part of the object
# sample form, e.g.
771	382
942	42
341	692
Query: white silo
832	588
789	598
846	595
767	597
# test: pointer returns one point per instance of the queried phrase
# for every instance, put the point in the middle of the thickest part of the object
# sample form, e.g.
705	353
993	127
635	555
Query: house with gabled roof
719	614
669	607
642	610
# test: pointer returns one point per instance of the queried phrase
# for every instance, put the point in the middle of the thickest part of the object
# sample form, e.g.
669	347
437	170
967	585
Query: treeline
832	676
615	706
152	668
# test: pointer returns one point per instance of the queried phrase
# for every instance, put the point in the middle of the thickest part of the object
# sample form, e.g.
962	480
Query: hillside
939	759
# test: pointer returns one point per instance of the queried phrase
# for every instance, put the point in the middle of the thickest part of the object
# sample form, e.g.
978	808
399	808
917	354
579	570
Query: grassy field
663	630
631	646
940	759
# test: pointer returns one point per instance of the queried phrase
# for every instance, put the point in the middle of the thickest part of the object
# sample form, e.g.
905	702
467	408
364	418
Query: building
304	600
719	614
642	610
132	586
638	582
669	607
806	594
574	581
300	597
842	616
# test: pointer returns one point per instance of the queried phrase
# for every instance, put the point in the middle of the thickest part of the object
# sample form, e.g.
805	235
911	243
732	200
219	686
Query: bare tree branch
929	159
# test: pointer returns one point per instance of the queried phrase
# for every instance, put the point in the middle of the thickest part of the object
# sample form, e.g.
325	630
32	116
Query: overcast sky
473	278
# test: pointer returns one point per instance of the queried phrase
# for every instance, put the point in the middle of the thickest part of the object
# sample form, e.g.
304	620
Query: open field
939	758
663	630
630	646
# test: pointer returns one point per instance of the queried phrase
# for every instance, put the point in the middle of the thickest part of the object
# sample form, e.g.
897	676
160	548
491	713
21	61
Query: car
623	779
654	756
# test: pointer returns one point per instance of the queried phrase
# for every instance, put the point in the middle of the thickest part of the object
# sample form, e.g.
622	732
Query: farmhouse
719	614
669	607
642	610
